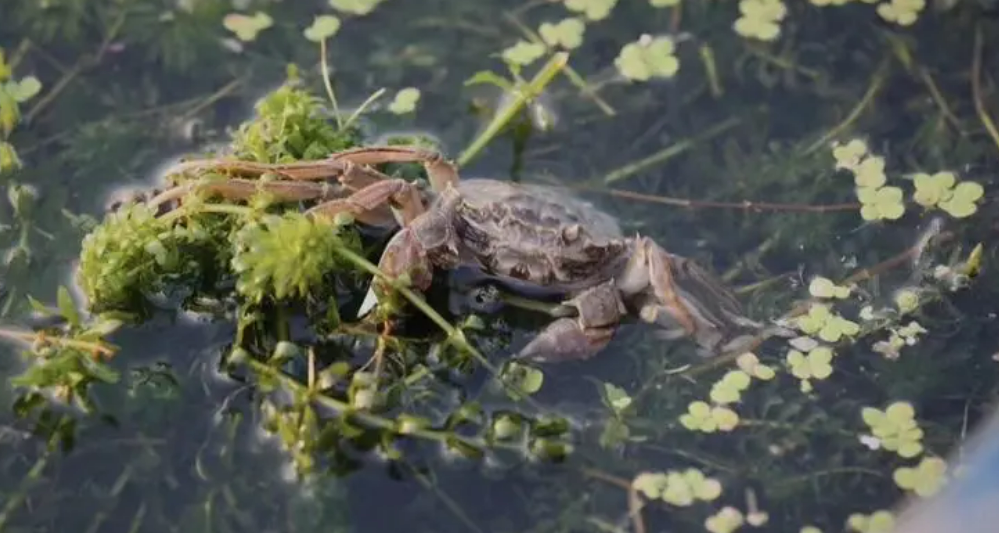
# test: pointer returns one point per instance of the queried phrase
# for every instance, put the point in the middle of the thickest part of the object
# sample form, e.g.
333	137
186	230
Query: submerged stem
667	153
976	88
877	81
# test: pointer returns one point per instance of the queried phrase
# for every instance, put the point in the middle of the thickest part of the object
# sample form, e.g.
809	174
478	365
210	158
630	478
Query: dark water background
190	456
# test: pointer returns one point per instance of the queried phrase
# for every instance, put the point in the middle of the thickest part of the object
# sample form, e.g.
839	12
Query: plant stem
880	75
364	105
328	84
369	419
525	94
976	88
667	153
31	336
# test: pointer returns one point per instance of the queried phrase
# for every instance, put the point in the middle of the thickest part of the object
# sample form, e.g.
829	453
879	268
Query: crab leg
440	171
301	170
367	204
242	189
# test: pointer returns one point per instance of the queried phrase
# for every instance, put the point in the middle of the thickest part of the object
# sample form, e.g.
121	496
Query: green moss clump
288	255
130	253
292	124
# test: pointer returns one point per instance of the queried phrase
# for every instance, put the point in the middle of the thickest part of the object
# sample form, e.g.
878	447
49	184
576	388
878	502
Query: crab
529	238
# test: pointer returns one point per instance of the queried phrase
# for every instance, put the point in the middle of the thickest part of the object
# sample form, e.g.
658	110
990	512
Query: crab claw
599	311
404	256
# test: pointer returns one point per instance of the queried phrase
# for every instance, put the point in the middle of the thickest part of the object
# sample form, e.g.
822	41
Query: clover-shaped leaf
813	321
877	522
883	203
730	387
829	326
870	172
24	89
901	12
703	487
592	9
567	33
356	7
523	53
911	331
849	155
816	364
405	101
616	397
323	27
726	520
677	488
836	327
680	488
246	27
702	417
821	287
760	19
650	484
725	418
523	379
907	300
649	57
932	189
925	479
962	200
751	365
896	428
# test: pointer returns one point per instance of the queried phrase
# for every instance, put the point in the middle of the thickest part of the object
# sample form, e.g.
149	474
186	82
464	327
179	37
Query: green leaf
616	397
651	484
567	33
524	379
523	53
25	89
39	307
10	114
592	9
9	160
405	101
932	189
962	200
67	308
5	70
246	27
356	7
323	27
648	58
491	78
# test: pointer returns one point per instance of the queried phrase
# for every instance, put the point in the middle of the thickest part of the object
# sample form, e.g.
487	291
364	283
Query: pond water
181	442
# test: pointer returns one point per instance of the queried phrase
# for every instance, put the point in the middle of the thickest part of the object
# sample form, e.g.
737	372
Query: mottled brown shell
537	235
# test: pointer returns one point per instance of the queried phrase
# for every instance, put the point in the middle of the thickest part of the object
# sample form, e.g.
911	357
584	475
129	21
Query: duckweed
647	58
760	19
925	479
895	428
